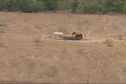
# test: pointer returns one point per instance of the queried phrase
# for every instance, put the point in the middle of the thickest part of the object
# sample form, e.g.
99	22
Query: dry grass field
29	52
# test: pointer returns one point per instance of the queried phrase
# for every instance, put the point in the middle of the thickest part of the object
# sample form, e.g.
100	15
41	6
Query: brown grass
59	61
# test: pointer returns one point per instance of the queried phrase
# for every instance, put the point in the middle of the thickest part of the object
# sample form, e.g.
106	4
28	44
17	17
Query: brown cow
78	35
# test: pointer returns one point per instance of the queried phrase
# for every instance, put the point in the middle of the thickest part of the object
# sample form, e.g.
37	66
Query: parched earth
30	53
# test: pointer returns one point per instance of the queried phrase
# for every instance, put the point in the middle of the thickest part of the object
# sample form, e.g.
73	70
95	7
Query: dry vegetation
32	53
109	43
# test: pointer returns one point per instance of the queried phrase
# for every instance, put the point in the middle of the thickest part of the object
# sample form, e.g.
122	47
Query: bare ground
29	52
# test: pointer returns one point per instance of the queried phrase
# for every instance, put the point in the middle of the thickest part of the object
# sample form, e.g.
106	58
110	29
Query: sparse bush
109	43
2	30
32	6
124	69
73	5
120	37
52	71
2	27
37	42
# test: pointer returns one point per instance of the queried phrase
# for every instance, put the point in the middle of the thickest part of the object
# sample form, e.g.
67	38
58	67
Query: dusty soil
29	52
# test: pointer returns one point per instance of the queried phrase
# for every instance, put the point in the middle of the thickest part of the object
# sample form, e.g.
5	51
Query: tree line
74	6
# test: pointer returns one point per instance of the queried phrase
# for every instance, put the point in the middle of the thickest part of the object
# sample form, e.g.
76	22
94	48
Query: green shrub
32	6
78	6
